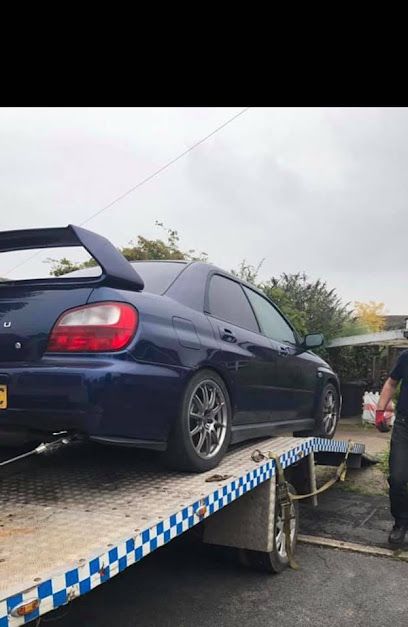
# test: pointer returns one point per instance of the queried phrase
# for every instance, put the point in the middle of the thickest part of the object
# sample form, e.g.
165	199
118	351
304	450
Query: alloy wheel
329	413
208	418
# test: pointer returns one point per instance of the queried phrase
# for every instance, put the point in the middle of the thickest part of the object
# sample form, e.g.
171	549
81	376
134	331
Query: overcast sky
318	190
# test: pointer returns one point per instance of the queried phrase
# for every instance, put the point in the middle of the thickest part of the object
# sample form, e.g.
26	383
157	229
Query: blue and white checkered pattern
61	589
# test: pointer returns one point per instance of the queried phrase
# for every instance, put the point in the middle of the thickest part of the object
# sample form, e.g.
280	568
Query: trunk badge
6	325
17	345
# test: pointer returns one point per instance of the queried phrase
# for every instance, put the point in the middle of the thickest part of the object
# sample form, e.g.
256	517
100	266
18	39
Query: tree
247	272
354	363
371	315
285	303
64	265
143	249
354	326
310	305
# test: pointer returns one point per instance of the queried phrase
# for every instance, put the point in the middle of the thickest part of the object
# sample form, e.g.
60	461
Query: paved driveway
183	585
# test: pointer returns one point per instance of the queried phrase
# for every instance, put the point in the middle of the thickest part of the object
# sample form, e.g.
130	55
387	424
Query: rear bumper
97	397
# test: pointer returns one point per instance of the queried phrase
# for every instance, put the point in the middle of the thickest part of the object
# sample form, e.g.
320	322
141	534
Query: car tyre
276	560
327	416
202	430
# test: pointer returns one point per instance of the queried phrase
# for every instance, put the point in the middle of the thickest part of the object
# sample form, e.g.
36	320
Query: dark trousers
398	479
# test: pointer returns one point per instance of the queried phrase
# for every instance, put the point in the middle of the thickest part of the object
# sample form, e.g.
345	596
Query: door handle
227	336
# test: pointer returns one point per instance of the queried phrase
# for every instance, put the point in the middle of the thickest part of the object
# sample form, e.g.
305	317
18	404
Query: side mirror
313	340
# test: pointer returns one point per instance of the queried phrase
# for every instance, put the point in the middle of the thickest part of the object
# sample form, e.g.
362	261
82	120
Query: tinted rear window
157	275
228	302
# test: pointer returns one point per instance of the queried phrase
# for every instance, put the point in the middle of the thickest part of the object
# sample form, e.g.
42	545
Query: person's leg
398	480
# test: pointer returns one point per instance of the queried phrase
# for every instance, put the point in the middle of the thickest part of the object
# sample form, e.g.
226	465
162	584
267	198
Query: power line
18	265
147	178
164	167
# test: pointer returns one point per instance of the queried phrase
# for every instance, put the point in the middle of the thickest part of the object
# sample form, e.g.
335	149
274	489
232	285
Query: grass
372	483
375	484
360	426
367	426
384	461
357	489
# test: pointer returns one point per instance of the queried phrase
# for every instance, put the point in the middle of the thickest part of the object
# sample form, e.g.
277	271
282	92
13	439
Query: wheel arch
334	381
325	377
225	379
180	453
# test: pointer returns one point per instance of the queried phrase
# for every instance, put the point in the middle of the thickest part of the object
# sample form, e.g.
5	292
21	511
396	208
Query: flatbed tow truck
72	520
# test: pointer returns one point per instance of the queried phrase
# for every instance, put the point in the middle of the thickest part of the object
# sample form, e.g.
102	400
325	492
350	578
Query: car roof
182	261
94	270
213	268
209	266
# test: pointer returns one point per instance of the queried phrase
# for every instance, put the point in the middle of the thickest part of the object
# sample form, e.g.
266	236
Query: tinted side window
271	322
228	302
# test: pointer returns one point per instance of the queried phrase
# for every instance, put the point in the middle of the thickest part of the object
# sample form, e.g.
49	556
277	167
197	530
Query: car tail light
93	328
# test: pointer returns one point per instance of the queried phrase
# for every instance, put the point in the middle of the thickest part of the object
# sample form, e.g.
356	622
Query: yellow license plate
3	396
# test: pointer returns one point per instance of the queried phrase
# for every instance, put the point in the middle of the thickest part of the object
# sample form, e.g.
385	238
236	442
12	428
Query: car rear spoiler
116	270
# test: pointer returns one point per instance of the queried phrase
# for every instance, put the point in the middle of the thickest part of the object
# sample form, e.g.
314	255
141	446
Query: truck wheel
202	431
327	414
277	560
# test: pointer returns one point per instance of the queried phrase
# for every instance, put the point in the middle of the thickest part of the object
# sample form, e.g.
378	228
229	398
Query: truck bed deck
72	520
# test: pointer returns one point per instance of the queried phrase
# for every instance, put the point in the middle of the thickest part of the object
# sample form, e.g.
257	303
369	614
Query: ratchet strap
284	501
340	475
285	498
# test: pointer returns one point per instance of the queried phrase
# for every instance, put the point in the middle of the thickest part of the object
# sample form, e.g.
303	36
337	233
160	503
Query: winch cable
44	448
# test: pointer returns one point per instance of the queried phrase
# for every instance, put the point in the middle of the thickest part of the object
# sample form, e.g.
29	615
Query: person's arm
387	393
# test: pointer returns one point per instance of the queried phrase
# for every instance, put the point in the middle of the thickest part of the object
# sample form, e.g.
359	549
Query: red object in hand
381	422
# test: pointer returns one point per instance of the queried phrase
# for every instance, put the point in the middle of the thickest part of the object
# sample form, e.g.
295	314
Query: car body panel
295	382
101	396
27	315
250	364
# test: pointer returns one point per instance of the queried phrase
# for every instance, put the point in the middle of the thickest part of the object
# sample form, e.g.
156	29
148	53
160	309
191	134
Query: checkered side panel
61	589
336	446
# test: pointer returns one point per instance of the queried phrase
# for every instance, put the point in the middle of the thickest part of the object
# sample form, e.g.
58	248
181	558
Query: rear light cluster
94	328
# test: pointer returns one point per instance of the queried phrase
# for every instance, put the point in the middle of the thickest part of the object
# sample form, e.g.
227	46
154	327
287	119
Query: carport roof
395	337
